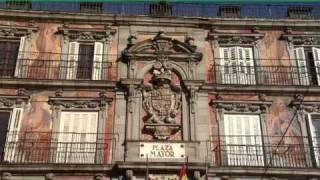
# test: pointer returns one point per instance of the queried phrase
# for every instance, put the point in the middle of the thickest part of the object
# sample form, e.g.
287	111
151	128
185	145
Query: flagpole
187	162
147	167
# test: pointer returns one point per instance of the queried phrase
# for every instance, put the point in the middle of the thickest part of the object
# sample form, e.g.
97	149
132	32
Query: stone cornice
86	34
15	32
11	101
241	106
79	102
191	22
312	39
235	38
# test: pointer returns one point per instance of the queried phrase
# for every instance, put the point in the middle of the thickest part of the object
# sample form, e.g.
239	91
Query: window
84	61
236	65
299	12
243	140
229	11
160	9
19	4
91	7
314	131
308	65
10	122
77	137
8	57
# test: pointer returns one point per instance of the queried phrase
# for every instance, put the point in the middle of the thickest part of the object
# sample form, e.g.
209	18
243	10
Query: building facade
136	91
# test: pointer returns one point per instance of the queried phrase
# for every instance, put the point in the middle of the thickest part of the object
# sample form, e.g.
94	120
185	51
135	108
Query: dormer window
229	12
299	12
160	9
20	4
91	7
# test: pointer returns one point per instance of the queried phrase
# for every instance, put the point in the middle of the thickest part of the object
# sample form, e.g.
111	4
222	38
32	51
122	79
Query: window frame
80	104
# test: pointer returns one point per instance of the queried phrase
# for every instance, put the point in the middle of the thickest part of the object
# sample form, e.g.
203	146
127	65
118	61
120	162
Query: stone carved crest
161	101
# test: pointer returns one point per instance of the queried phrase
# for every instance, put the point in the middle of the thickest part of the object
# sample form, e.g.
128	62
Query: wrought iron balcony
262	151
271	11
287	74
57	148
57	66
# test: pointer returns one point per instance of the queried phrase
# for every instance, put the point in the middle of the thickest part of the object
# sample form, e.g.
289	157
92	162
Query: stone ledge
261	89
72	84
195	22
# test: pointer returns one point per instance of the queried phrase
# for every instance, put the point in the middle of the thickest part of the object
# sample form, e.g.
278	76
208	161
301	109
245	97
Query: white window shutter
73	56
13	137
316	57
77	143
314	124
21	63
302	66
97	61
243	140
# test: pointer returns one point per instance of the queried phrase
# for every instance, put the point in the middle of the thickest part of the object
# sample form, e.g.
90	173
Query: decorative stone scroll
226	38
299	39
161	102
79	103
242	106
161	47
86	34
15	32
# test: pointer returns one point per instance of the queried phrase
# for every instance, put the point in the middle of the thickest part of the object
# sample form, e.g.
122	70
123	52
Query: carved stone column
132	121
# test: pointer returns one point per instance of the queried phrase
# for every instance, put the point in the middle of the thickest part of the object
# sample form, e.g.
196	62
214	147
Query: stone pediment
161	45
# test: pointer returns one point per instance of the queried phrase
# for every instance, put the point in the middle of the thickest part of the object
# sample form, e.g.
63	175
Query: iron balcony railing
271	11
262	151
57	66
283	73
58	148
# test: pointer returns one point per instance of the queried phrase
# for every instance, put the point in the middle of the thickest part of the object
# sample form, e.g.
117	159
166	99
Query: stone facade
160	86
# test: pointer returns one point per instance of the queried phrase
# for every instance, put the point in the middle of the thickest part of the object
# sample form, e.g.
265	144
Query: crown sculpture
162	102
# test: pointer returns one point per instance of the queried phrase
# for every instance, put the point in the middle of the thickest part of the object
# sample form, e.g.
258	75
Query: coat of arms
161	101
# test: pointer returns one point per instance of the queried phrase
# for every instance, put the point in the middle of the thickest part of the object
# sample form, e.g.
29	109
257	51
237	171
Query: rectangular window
8	57
314	129
19	4
229	11
91	7
160	9
85	61
308	65
236	66
77	137
301	12
243	140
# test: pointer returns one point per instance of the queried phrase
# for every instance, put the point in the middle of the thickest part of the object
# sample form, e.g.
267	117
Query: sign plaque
162	150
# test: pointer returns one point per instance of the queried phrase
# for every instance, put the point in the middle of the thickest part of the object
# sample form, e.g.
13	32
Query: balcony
264	151
270	11
57	148
274	73
57	66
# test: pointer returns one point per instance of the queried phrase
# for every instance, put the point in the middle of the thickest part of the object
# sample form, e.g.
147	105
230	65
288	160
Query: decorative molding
299	39
161	48
220	38
15	32
242	106
79	103
12	101
86	34
163	177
